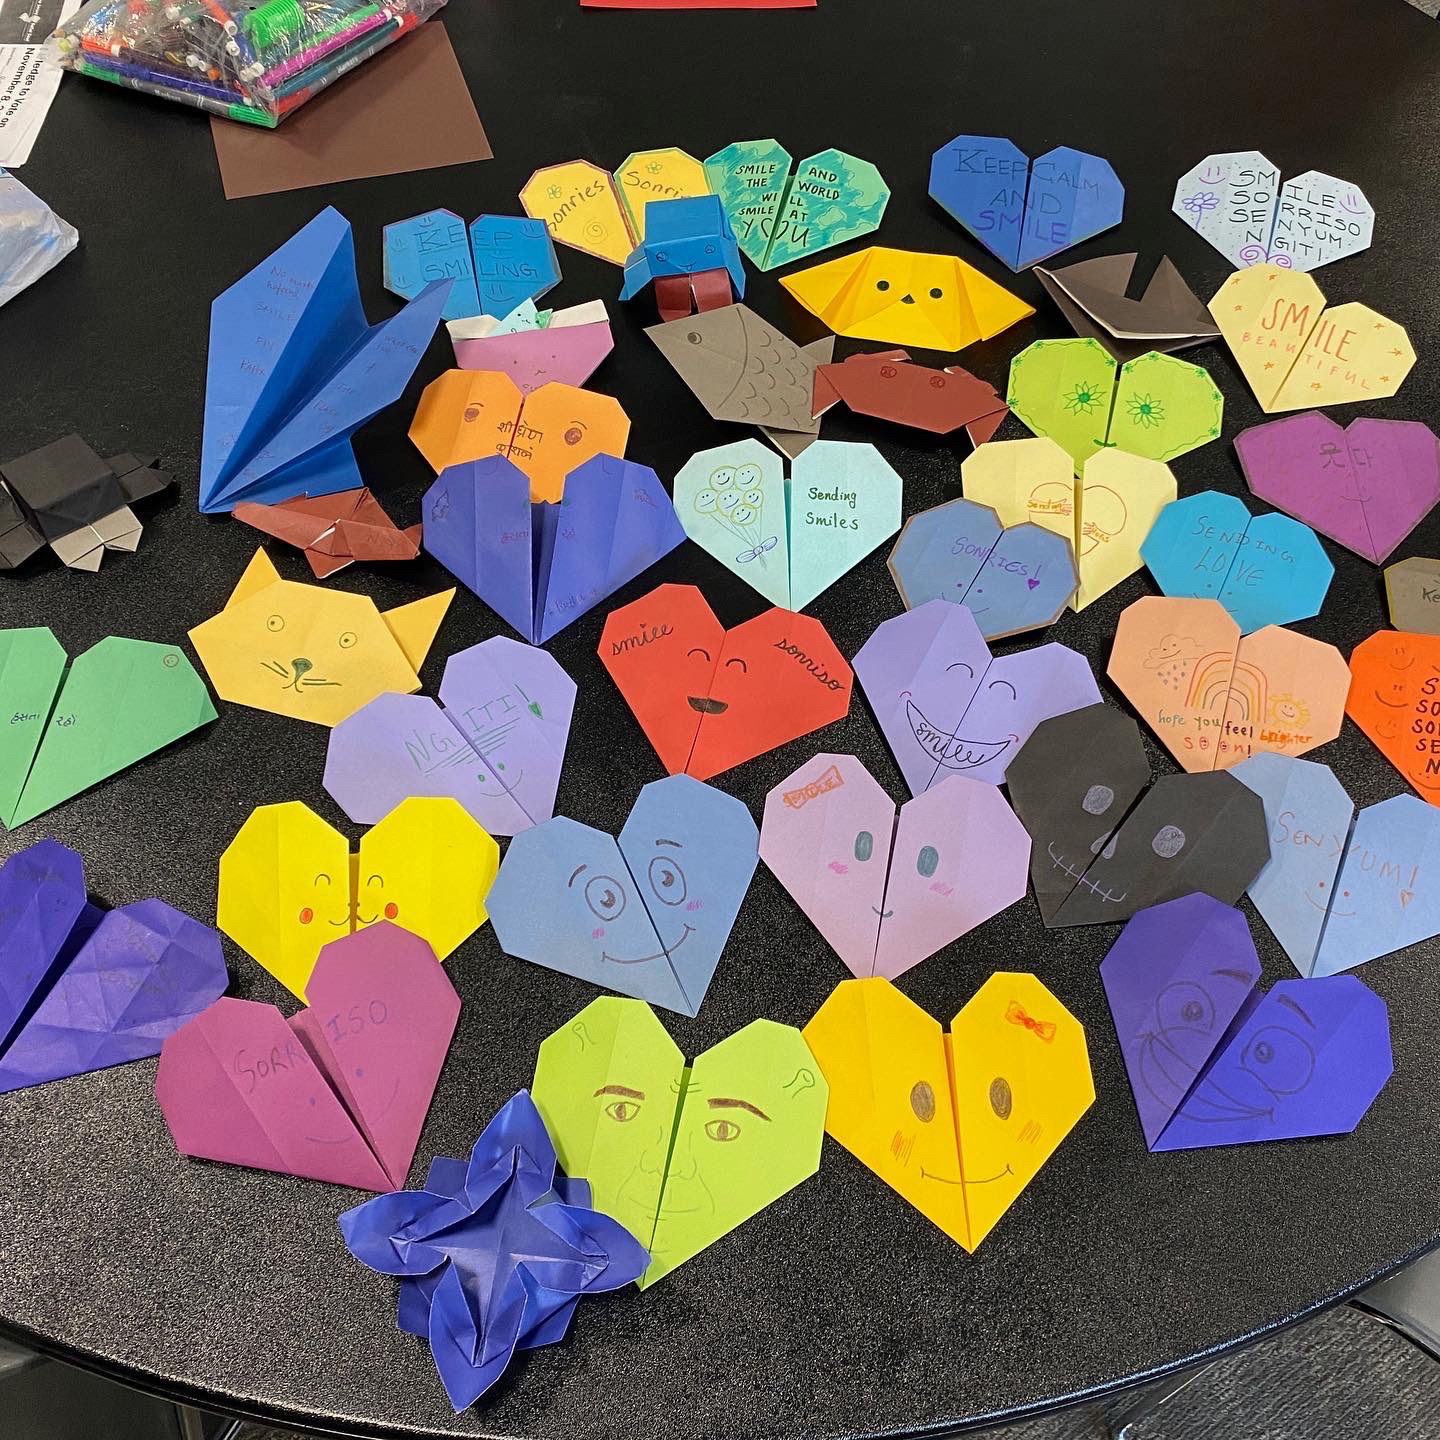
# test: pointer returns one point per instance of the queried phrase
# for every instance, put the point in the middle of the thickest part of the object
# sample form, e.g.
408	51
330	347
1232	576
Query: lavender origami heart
497	745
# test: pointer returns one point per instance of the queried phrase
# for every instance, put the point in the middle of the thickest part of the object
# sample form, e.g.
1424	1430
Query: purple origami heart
497	746
1366	485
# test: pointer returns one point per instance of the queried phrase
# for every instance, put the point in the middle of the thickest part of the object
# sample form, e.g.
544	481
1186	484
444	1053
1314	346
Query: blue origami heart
648	916
1024	211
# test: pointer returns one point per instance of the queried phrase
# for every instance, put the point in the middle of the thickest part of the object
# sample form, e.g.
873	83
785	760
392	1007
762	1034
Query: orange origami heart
1213	698
1395	700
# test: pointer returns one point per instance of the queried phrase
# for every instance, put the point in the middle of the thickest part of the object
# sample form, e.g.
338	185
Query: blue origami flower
496	1253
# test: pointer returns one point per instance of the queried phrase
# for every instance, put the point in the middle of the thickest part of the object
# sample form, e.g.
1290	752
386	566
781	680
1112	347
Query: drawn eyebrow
1286	1000
571	881
1239	975
675	843
624	1090
721	1102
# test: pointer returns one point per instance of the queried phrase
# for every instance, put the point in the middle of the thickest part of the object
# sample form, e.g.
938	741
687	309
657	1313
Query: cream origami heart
1106	513
1298	354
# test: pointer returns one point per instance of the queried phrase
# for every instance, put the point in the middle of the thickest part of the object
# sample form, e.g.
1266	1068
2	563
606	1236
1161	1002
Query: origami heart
71	724
338	1092
710	698
580	205
1395	699
1412	594
496	747
648	916
1214	1061
289	884
948	708
82	988
1010	580
540	566
1265	570
782	213
1106	842
1020	210
1296	353
1237	202
1158	406
887	894
680	1155
957	1124
788	539
1341	888
1105	515
1213	698
1365	485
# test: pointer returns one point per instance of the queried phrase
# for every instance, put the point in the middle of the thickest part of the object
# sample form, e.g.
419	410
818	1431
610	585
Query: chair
1408	1302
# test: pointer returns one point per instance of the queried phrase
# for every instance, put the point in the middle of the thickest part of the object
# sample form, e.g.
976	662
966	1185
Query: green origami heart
1158	406
65	730
779	216
679	1156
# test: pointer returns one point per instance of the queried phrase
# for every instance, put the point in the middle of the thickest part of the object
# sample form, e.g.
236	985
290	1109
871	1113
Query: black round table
839	1311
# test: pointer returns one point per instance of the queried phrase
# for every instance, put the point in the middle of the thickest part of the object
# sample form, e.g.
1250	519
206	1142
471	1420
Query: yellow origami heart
906	297
1298	354
1106	512
958	1124
289	884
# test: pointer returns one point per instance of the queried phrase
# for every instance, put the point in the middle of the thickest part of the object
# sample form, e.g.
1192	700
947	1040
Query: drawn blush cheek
598	933
696	905
941	888
839	867
391	910
306	915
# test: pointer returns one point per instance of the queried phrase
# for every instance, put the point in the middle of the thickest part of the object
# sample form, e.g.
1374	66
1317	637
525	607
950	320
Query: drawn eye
575	434
697	650
882	284
622	1110
1169	841
374	880
996	684
693	336
709	249
1279	1059
927	862
275	623
661	255
722	1130
1098	799
667	880
864	845
922	1101
472	412
1001	1100
936	292
960	665
736	660
322	878
605	898
1185	1004
347	639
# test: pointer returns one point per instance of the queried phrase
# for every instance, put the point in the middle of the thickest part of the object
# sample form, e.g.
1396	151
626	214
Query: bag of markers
253	60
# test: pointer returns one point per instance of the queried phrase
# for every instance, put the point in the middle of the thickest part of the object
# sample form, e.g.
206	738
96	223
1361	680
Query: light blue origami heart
648	916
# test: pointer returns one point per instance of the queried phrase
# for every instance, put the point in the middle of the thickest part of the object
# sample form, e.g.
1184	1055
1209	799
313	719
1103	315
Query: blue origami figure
494	1255
691	254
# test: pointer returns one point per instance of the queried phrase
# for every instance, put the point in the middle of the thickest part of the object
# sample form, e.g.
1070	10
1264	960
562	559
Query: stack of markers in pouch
252	60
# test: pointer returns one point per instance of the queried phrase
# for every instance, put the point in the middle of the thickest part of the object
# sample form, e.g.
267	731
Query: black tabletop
839	1311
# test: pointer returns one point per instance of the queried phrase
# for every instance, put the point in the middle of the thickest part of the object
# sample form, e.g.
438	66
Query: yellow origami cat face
309	652
289	884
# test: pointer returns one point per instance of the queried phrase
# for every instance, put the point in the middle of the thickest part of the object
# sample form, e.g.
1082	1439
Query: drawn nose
907	299
300	666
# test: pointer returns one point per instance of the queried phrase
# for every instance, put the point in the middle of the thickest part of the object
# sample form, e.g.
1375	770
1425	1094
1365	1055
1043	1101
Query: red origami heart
711	698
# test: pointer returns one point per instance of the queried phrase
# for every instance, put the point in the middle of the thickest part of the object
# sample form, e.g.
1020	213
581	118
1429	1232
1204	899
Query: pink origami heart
340	1091
1366	485
888	892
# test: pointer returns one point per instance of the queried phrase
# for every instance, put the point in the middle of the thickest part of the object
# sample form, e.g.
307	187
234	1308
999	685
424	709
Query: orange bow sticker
1015	1014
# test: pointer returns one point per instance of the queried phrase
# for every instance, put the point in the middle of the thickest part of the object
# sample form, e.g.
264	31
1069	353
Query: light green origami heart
65	730
679	1156
1157	406
789	539
779	216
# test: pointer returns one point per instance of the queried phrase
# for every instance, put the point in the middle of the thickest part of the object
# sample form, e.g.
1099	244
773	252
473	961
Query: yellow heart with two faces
959	1124
310	652
289	884
906	297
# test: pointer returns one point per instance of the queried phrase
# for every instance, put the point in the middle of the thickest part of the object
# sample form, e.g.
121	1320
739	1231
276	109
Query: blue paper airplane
1265	569
1010	580
294	370
648	916
1341	888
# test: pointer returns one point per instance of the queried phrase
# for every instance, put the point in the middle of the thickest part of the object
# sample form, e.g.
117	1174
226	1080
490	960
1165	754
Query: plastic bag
33	238
252	60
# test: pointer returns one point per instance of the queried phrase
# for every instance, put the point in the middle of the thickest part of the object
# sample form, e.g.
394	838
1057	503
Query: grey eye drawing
605	897
1169	841
864	845
667	880
1098	799
927	862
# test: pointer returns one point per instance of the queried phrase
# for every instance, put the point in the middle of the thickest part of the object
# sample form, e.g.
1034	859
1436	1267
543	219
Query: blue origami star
495	1254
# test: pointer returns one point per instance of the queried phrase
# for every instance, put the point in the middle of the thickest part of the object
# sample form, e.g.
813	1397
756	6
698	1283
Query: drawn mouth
706	706
506	787
1208	1108
1388	704
951	751
883	914
669	950
1080	877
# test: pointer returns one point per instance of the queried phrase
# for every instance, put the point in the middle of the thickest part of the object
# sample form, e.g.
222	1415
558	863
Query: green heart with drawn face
680	1155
